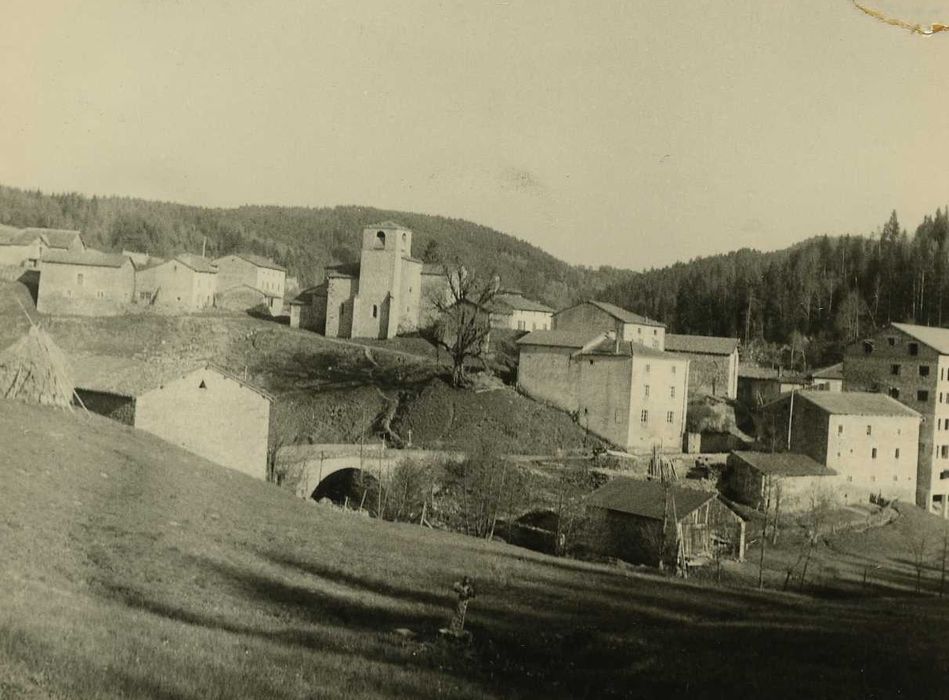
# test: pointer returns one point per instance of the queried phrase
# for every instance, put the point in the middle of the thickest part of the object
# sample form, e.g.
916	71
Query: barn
662	524
203	408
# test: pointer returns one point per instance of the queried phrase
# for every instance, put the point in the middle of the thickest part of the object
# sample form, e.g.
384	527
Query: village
859	435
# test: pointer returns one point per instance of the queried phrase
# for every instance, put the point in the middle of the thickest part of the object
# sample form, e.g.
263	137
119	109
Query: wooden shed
663	524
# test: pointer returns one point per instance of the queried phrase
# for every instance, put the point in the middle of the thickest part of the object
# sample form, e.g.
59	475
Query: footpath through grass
133	569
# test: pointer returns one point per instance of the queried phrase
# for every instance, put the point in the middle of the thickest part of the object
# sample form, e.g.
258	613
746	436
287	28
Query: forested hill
812	297
304	239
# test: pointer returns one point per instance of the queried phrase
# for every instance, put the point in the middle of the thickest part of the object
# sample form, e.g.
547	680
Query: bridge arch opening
351	488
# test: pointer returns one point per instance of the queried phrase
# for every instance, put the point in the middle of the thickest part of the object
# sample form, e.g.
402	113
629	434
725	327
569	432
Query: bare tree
919	547
464	322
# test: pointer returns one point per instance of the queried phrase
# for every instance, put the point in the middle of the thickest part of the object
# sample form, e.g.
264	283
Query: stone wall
100	291
550	375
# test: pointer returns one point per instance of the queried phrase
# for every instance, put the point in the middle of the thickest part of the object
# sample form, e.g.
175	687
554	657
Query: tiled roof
607	346
701	344
832	372
783	464
92	258
753	372
856	403
196	262
519	302
258	260
621	314
125	376
55	237
647	499
307	295
10	235
559	339
936	338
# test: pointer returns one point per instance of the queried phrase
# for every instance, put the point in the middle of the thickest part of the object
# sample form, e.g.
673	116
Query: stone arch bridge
316	464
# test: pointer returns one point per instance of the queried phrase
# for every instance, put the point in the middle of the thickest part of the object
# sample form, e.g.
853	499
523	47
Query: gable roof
701	344
783	464
307	295
518	302
256	260
936	338
607	346
559	339
753	372
92	258
56	237
855	403
832	372
618	313
131	378
10	235
196	262
647	499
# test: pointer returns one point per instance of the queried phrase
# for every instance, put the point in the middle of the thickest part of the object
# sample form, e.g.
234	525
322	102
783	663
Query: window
895	370
924	370
840	430
380	239
79	279
644	416
869	430
202	385
143	296
655	332
672	392
670	416
646	392
375	311
944	474
922	395
673	369
647	368
894	392
891	341
896	453
639	331
914	348
873	453
944	452
100	294
521	326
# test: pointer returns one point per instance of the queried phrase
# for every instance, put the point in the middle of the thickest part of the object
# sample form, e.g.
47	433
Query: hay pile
35	370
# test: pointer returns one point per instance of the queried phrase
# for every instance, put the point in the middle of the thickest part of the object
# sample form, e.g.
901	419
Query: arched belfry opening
380	239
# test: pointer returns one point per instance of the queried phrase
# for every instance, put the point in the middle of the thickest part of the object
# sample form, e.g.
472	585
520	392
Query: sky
623	133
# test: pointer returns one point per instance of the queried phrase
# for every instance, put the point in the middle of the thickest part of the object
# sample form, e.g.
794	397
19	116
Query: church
389	292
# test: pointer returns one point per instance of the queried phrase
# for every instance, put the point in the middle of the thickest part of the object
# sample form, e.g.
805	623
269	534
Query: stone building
308	309
599	316
911	364
512	310
870	440
791	482
628	394
27	247
204	409
243	276
86	282
760	385
648	522
185	283
829	378
713	363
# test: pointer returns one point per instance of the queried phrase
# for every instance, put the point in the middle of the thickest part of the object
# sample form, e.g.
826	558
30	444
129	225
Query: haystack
35	370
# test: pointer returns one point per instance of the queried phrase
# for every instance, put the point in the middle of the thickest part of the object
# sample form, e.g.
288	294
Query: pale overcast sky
623	133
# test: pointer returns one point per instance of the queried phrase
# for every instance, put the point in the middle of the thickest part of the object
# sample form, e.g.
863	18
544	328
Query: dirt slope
132	569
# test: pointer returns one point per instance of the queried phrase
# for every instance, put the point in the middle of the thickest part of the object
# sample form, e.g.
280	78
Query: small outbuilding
203	408
792	482
662	524
87	282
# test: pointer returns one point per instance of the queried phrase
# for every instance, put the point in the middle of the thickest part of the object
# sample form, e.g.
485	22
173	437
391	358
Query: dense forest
795	306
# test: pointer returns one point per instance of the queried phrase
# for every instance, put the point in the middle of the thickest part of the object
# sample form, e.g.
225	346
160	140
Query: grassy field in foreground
133	569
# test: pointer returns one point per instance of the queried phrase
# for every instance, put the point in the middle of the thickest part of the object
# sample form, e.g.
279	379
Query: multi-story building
629	394
251	280
869	440
713	368
186	282
599	317
910	363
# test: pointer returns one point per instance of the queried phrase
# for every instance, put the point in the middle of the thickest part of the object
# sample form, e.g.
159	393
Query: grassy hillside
327	390
137	570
